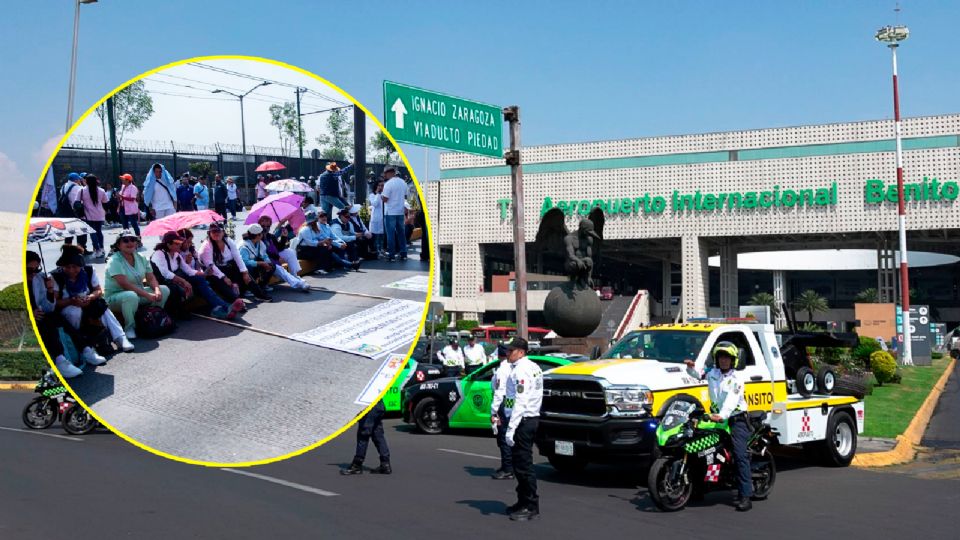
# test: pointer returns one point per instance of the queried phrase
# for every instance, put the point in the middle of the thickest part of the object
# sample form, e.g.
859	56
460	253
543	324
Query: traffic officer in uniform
728	403
524	391
371	425
452	358
474	355
500	415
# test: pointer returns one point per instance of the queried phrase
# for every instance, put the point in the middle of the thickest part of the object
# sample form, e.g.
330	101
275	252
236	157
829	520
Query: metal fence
139	162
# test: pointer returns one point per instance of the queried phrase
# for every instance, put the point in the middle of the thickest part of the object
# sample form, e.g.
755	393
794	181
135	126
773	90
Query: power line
186	95
271	81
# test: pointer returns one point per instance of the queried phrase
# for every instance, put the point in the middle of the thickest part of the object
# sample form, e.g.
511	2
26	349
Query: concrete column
780	296
666	310
729	285
696	280
886	272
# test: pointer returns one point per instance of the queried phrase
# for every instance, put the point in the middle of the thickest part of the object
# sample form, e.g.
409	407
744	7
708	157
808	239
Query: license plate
563	448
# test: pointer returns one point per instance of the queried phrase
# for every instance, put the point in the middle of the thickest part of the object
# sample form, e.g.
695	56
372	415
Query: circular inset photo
227	262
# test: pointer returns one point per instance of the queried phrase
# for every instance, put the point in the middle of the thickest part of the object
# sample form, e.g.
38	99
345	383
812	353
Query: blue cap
73	177
502	350
83	175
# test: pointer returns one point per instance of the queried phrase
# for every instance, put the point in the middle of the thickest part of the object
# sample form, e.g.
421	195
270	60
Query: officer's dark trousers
506	453
740	431
523	463
371	425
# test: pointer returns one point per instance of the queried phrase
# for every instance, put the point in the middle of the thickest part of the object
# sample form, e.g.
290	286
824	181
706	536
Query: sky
186	110
578	71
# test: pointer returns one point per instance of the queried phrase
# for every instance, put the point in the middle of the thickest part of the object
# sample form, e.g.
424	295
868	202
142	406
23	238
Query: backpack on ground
153	322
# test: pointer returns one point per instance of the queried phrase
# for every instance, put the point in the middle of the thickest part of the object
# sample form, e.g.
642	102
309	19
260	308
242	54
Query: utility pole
111	119
243	130
300	131
359	153
512	115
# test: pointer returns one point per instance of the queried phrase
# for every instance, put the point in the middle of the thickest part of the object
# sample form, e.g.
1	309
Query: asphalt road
219	393
98	487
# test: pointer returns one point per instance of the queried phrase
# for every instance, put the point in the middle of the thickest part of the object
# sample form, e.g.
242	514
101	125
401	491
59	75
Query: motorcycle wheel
763	471
40	413
667	498
77	421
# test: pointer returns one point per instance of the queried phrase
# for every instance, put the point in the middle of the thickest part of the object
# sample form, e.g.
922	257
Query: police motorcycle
55	402
695	455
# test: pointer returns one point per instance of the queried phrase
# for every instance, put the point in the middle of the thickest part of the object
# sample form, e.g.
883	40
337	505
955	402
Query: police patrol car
609	408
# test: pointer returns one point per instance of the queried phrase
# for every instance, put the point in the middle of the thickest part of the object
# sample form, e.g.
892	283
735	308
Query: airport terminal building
668	205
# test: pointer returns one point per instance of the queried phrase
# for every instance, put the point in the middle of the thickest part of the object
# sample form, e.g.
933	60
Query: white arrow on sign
399	110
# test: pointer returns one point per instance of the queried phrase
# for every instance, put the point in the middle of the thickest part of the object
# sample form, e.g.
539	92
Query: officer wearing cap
522	399
498	415
727	403
452	358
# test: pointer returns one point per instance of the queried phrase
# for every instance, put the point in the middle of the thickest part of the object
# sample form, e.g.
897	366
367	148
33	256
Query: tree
338	144
12	299
867	296
284	118
132	107
766	299
811	302
381	143
200	168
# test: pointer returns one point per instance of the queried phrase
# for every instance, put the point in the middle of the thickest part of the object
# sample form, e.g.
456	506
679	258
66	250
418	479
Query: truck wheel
850	386
567	464
840	445
427	416
806	381
826	380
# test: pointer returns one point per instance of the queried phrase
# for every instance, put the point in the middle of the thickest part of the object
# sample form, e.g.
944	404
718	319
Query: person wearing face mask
728	404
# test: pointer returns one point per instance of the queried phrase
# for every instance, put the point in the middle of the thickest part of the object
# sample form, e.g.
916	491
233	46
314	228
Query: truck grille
572	396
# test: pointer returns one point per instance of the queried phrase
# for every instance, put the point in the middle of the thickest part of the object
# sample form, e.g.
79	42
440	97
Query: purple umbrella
280	207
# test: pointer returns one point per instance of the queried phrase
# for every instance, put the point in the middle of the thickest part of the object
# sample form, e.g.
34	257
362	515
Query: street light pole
892	36
300	130
73	61
243	129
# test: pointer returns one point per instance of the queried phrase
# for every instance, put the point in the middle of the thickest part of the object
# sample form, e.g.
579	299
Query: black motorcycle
55	402
696	455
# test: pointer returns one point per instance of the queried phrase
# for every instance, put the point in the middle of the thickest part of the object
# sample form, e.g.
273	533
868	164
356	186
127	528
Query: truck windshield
673	346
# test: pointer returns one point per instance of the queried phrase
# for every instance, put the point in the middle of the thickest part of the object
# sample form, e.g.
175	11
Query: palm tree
811	302
765	299
867	296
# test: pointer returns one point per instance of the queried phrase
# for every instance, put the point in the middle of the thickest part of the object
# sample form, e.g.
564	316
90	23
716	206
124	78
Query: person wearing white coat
376	216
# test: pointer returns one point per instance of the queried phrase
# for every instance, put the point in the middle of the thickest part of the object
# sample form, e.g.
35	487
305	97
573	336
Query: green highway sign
426	118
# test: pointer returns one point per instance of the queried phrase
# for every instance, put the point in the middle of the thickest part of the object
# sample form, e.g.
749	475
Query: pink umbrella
181	220
270	166
280	207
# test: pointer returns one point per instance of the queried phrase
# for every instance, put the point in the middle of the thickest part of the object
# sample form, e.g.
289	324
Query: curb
908	441
18	385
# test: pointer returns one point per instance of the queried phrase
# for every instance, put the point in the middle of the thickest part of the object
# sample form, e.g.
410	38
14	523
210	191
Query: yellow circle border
369	115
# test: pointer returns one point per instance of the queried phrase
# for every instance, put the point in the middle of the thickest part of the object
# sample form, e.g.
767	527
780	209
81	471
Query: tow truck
608	409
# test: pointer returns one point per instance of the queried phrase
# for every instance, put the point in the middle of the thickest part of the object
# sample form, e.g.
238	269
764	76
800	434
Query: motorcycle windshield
673	420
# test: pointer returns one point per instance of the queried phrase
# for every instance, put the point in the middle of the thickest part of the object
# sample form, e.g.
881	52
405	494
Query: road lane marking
278	481
32	432
461	452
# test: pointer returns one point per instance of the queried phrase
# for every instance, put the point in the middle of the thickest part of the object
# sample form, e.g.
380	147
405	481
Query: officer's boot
384	468
355	468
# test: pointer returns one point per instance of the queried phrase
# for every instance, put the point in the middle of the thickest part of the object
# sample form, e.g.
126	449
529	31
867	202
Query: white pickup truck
609	408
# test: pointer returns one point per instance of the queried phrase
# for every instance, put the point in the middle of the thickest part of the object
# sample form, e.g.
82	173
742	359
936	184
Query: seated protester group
256	257
278	244
42	293
317	243
226	272
185	281
79	298
130	282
